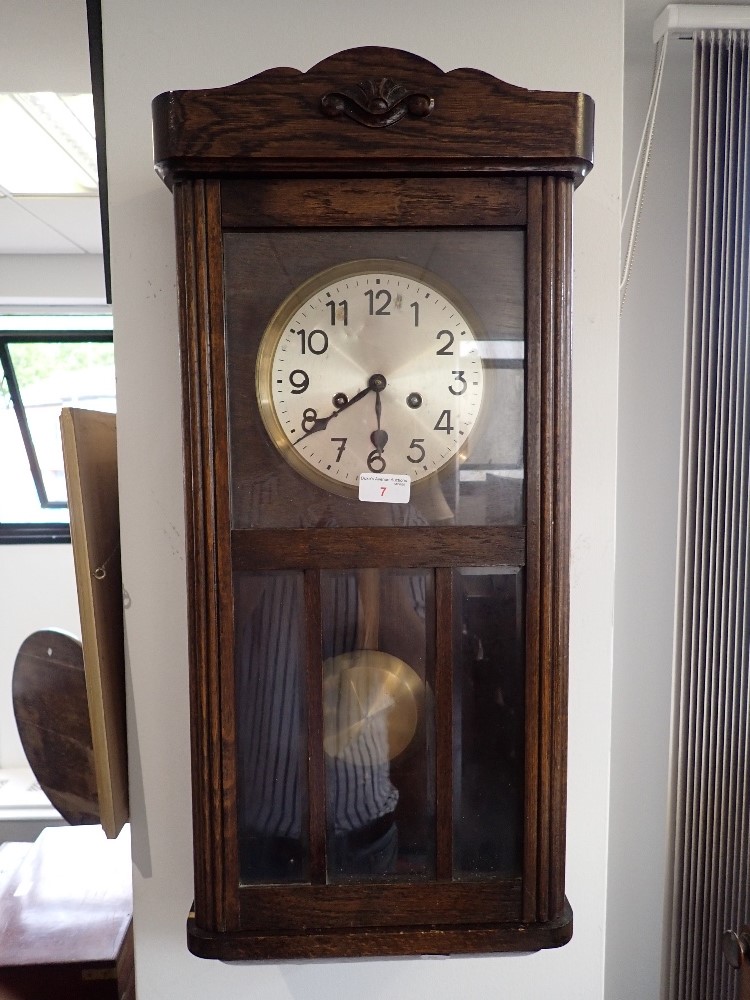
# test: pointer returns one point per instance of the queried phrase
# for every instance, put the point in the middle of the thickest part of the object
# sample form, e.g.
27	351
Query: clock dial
372	366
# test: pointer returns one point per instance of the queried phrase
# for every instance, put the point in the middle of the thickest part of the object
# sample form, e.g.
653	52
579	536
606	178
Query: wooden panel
209	576
533	540
89	441
52	714
417	548
383	941
380	201
560	597
548	547
274	122
362	904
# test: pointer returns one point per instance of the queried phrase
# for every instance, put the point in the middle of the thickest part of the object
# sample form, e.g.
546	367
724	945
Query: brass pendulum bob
367	688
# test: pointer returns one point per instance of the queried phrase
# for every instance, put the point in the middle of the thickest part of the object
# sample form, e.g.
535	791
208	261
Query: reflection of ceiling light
47	144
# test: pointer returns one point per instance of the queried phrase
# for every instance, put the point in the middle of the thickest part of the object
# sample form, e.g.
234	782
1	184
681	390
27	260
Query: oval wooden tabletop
52	715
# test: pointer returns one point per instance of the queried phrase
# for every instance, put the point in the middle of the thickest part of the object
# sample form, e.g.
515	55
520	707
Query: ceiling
59	62
67	224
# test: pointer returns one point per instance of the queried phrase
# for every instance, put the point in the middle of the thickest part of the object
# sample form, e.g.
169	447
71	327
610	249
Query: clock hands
375	383
379	437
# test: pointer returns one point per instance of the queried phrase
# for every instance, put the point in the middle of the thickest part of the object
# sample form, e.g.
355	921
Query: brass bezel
275	328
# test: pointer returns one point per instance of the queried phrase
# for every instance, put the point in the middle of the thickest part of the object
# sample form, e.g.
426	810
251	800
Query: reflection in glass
483	484
489	722
380	800
271	744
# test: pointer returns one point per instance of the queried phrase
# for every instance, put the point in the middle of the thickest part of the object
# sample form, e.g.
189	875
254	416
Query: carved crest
377	103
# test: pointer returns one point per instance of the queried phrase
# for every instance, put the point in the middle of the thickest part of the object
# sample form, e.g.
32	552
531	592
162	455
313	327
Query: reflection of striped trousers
272	750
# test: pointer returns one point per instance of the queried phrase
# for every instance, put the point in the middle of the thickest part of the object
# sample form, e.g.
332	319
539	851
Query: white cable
640	171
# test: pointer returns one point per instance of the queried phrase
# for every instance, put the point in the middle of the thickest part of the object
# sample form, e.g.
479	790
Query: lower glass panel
271	745
488	722
378	742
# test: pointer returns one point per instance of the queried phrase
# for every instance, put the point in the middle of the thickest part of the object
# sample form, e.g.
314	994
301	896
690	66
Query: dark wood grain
66	918
358	548
362	904
561	576
513	936
479	125
207	514
270	190
51	708
534	295
377	201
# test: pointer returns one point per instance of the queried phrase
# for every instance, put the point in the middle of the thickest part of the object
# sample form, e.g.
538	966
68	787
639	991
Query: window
46	363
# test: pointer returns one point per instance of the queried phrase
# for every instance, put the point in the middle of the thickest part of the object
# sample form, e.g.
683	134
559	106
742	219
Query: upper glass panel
380	353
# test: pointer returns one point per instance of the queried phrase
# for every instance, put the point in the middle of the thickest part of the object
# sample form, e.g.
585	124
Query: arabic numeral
461	379
342	444
375	461
446	348
384	297
416	446
309	416
444	422
339	311
299	380
314	341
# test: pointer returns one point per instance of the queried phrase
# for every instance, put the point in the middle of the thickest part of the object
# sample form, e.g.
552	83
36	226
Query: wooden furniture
65	917
51	707
337	215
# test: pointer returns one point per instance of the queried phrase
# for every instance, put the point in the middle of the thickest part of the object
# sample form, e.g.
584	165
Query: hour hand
379	439
375	383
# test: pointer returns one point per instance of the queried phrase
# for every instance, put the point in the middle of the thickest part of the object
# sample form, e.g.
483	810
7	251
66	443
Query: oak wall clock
374	272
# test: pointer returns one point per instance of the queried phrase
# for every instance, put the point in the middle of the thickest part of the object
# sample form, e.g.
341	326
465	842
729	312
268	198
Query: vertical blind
711	793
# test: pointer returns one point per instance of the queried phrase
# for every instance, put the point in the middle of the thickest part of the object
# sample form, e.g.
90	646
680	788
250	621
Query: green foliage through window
41	373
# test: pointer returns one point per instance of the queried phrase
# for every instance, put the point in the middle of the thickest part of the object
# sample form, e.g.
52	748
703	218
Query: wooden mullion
316	779
224	663
207	822
444	685
546	609
360	548
561	543
533	543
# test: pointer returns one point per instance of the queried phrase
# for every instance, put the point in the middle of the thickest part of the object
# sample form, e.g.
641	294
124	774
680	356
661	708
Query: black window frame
42	532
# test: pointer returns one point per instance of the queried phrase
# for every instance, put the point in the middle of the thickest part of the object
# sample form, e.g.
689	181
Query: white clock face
371	366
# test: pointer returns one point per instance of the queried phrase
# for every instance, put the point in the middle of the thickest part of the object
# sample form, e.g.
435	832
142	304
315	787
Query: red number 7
382	490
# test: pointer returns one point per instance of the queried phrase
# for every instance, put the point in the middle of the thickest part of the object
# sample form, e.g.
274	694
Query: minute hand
320	423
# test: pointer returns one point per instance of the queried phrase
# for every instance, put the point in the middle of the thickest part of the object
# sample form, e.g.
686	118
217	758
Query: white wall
149	48
66	280
651	362
37	582
37	590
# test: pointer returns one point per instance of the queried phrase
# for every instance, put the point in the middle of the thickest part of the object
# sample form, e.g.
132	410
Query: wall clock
374	270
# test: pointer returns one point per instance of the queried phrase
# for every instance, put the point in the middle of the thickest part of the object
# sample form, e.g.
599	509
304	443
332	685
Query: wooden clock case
371	144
